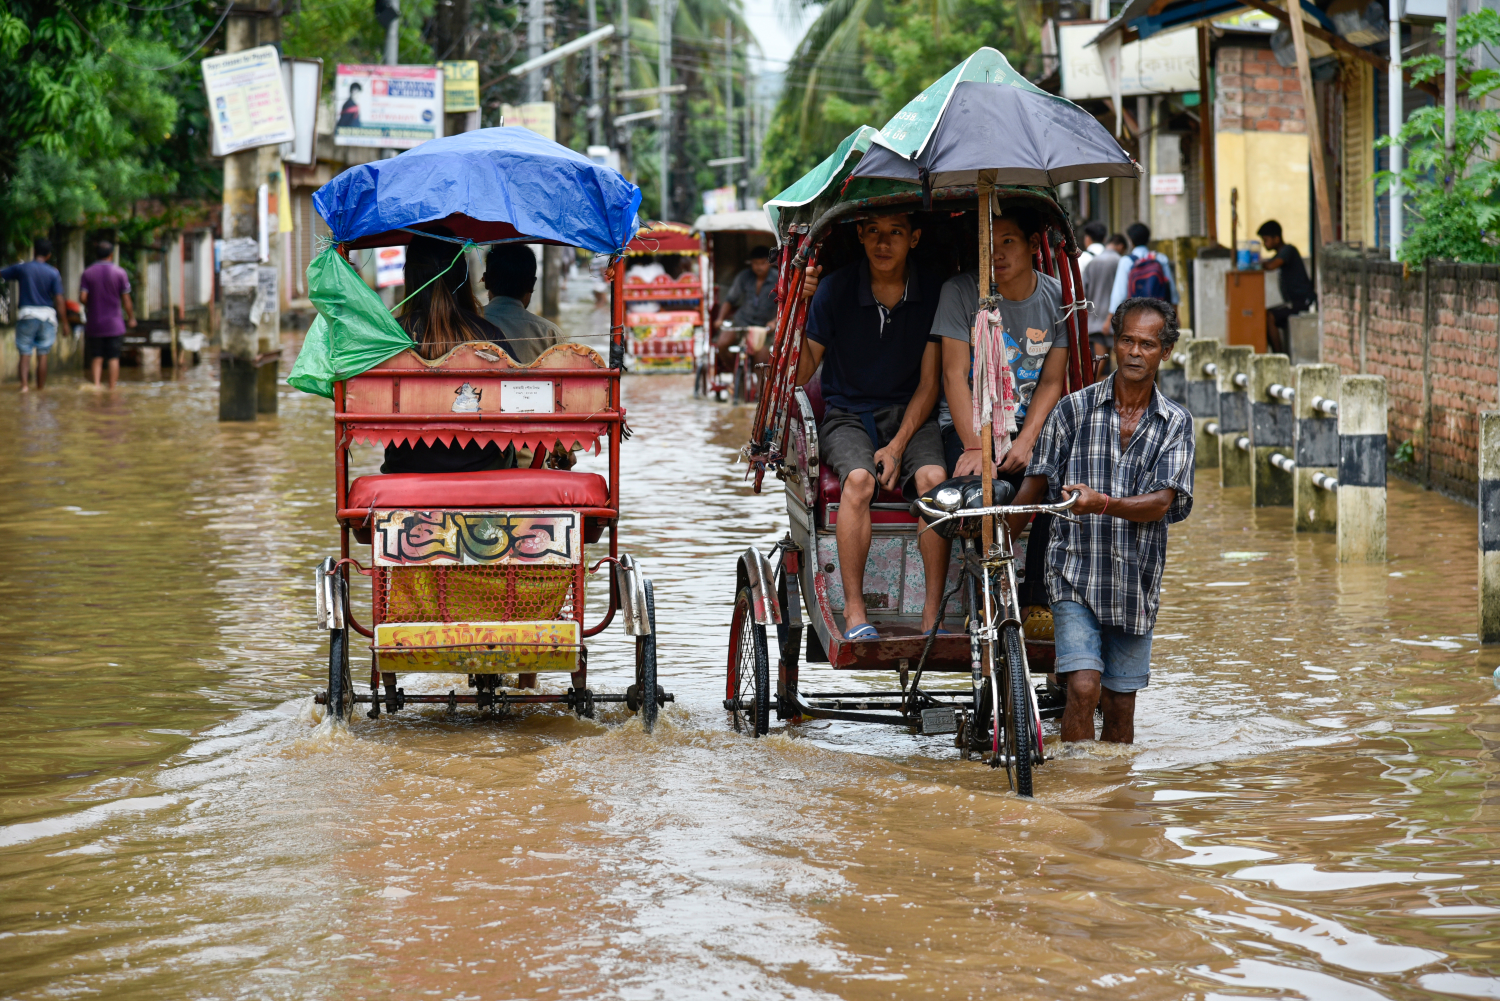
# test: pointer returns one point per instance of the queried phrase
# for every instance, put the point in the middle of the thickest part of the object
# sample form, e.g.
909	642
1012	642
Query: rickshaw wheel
700	379
1021	731
340	682
747	692
647	694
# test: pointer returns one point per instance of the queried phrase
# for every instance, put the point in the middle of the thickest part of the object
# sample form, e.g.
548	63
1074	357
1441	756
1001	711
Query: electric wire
154	69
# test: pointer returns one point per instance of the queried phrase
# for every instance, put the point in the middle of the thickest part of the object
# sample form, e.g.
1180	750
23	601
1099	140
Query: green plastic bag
353	333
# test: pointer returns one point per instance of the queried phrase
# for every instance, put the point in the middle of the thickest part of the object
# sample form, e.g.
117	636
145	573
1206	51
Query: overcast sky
778	25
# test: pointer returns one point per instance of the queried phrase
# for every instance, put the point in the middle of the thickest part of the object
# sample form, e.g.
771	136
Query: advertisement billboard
247	100
1162	64
460	85
394	107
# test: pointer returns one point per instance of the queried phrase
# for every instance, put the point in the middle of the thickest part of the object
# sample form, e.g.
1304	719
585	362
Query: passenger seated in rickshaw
440	317
1036	349
870	327
752	296
510	277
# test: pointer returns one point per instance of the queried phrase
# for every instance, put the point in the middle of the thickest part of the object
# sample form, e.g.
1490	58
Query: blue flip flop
863	631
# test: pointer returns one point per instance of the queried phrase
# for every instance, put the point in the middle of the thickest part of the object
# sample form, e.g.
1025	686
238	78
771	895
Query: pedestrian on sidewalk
42	309
104	291
1098	284
1143	272
1127	451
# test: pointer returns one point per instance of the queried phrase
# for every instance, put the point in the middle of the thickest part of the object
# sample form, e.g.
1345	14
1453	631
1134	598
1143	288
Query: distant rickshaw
664	300
478	573
961	148
727	370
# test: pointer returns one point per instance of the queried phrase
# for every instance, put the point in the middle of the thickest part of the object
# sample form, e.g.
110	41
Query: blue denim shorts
1122	659
35	336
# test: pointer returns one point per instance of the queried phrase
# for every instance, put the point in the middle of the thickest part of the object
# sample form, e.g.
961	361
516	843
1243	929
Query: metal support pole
1235	466
729	100
1489	526
1361	491
1450	84
1395	95
1317	510
1272	429
665	11
596	111
536	36
1203	400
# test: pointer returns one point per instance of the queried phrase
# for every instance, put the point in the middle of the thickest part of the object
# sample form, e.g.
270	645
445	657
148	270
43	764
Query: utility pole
729	100
536	27
596	112
1450	89
250	324
665	9
622	135
1395	95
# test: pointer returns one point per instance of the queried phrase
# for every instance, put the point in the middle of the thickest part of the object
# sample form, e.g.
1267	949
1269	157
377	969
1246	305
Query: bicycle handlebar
936	516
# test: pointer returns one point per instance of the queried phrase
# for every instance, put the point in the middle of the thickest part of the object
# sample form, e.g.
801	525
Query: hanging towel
994	381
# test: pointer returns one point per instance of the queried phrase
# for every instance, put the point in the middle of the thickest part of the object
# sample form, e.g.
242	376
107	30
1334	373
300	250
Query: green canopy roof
820	187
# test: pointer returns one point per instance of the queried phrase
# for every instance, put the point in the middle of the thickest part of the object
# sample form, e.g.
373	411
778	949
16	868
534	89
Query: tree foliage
98	117
1455	198
863	60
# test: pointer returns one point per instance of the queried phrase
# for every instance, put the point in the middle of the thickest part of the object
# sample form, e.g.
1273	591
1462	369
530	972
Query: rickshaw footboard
499	700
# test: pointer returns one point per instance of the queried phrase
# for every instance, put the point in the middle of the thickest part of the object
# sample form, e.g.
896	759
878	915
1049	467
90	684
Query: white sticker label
526	398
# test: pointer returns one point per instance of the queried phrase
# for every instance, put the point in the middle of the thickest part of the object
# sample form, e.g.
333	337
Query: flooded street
1312	808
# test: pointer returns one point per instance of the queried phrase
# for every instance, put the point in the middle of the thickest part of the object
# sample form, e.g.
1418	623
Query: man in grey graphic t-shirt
1036	346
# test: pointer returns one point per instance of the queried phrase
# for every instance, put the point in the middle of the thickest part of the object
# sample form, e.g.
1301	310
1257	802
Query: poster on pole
538	116
390	267
247	100
393	107
460	85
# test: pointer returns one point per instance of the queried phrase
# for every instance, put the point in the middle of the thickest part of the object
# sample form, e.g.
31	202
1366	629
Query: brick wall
1435	336
1255	93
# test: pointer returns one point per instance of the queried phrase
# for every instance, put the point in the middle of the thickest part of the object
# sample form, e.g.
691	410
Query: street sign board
394	107
247	100
538	116
1166	63
460	85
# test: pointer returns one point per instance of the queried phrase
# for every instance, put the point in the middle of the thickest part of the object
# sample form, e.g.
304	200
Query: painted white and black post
1361	489
1171	377
1489	526
1201	376
1273	430
1236	464
1315	495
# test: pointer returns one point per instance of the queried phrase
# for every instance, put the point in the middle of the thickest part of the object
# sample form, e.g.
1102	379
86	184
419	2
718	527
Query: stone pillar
1272	430
1317	508
1171	378
1489	526
1236	466
1362	443
1203	400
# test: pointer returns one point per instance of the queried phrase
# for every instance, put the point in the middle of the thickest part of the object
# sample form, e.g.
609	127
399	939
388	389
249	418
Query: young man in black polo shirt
870	327
1296	289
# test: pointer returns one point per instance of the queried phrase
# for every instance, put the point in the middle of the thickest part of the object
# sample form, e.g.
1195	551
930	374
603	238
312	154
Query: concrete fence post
1171	378
1361	517
1273	430
1489	526
1236	464
1316	507
1203	399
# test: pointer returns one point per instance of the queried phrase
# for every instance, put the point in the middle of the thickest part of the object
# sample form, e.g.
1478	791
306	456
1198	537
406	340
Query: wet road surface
1311	810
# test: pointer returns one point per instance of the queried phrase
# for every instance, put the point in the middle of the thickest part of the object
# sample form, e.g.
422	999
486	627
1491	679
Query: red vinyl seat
829	490
492	488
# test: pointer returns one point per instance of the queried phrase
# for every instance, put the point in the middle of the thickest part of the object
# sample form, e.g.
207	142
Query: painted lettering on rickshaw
476	537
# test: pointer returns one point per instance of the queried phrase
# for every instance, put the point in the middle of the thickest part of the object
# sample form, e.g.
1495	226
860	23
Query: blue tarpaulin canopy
487	186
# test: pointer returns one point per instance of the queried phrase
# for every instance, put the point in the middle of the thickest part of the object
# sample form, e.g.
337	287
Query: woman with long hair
440	317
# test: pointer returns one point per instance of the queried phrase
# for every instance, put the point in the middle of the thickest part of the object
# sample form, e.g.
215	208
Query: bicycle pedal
939	719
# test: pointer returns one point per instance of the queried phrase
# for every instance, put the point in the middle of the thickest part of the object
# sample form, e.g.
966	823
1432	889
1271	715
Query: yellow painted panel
478	647
1273	175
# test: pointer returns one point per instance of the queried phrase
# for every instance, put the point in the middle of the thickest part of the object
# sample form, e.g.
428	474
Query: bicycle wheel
747	692
1021	725
646	693
340	682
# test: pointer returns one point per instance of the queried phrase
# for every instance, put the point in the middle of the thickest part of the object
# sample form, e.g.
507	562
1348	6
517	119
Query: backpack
1148	279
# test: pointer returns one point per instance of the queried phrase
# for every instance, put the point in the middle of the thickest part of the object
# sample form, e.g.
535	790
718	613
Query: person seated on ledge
439	318
870	327
510	276
1297	293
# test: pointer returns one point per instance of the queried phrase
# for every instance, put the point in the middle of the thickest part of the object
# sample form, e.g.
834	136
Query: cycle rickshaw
726	239
663	335
480	574
925	160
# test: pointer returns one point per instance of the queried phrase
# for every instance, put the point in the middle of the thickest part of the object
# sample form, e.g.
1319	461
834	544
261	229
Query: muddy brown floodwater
1311	809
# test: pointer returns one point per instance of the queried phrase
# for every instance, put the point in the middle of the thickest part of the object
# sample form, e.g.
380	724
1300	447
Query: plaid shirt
1111	565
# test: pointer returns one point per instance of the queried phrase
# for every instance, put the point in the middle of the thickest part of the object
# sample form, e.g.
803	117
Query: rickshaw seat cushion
497	488
814	390
829	489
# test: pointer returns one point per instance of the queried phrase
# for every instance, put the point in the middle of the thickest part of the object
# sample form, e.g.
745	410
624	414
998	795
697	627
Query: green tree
1455	198
862	60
